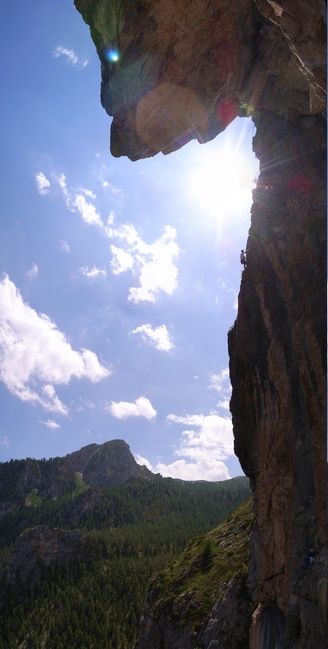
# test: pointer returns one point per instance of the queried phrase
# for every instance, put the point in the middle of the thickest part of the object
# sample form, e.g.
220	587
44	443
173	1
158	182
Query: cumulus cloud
207	469
70	56
42	183
159	337
81	200
33	271
221	383
50	423
35	355
92	273
87	210
121	260
143	462
154	263
124	409
4	440
205	446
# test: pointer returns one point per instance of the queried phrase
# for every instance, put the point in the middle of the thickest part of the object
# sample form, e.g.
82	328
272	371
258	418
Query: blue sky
118	280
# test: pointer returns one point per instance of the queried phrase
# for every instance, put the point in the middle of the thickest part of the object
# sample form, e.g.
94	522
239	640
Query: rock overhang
179	70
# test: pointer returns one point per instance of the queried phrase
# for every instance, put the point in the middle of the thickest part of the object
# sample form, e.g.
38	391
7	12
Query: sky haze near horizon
118	280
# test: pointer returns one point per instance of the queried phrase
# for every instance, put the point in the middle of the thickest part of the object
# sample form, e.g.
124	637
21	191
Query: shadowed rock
183	71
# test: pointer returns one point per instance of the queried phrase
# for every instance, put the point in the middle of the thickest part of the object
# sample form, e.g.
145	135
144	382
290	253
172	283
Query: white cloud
93	272
140	408
51	402
33	271
143	462
121	260
42	183
111	218
159	337
64	245
224	404
89	193
153	262
87	210
126	232
205	446
212	432
4	441
70	55
50	423
35	355
62	184
76	201
106	185
219	381
209	469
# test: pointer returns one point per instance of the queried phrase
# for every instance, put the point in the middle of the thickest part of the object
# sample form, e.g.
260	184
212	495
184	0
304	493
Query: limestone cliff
177	70
181	70
107	464
278	370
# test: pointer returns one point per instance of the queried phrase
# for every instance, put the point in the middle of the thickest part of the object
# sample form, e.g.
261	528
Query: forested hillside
128	533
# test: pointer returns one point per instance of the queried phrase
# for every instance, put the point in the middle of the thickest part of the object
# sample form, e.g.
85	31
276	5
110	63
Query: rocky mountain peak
106	464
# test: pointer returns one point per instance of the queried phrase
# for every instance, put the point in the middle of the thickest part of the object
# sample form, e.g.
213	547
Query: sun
220	179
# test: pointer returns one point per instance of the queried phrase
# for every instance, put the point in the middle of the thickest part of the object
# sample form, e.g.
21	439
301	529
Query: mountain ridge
99	465
75	559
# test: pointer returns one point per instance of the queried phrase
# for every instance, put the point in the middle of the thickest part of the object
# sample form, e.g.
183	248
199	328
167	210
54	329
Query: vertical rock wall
181	69
278	371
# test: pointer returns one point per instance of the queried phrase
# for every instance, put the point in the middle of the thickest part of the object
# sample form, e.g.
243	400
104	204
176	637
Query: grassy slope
187	590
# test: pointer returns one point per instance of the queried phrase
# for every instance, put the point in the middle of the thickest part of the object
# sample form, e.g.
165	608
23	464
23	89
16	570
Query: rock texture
182	70
107	464
177	70
103	465
277	354
36	549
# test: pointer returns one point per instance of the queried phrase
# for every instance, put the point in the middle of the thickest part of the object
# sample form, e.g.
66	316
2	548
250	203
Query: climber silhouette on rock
309	559
243	259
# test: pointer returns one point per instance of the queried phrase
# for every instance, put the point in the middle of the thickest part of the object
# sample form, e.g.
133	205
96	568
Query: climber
308	560
243	259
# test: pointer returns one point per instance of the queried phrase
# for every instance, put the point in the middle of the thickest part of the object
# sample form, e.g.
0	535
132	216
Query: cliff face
36	549
177	70
182	70
278	371
107	464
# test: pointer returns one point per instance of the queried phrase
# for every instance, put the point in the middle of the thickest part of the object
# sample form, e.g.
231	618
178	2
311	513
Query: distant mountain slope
202	599
102	465
107	464
76	558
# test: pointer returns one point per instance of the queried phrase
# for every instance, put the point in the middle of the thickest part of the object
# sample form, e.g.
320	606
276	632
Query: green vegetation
132	532
246	110
188	589
32	499
80	485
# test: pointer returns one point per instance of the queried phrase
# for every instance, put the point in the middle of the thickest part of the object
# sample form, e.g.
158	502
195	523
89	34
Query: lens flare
112	55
